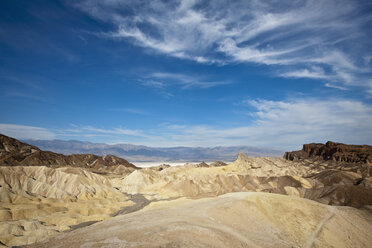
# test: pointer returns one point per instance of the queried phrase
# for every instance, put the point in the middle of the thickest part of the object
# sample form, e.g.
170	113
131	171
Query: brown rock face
15	153
333	151
9	146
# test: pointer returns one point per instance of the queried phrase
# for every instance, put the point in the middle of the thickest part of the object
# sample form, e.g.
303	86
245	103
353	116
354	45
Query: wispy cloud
308	33
26	95
26	132
159	86
17	80
153	83
163	82
286	125
314	72
92	131
280	124
186	81
28	89
369	87
22	38
131	111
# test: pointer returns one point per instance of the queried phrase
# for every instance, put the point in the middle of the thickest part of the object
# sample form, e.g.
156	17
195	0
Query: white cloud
285	125
279	124
314	72
26	132
306	33
329	85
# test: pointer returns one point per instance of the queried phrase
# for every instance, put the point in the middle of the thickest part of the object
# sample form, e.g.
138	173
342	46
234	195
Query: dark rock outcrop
333	151
217	164
14	153
160	167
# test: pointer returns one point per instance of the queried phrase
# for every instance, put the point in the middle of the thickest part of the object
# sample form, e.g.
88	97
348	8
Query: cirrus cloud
297	36
26	132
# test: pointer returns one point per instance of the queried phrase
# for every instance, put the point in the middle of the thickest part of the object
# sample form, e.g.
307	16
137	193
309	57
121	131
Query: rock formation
217	164
333	151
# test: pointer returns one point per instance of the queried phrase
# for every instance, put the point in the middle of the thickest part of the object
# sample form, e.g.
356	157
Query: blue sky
191	73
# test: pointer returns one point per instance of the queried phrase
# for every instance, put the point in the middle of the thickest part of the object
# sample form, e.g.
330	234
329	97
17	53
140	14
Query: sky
272	74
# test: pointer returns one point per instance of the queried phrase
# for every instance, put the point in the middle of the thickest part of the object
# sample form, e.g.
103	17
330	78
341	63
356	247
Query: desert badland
186	123
320	196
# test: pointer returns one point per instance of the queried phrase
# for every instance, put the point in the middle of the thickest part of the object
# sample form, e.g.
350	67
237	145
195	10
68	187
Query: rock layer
333	151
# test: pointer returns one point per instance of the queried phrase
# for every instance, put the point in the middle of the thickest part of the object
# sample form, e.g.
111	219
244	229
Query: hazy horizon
157	155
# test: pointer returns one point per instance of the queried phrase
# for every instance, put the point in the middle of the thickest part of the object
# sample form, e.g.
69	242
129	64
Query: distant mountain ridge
140	153
16	153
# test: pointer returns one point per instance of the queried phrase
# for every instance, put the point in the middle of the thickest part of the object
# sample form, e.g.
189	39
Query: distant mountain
16	153
138	153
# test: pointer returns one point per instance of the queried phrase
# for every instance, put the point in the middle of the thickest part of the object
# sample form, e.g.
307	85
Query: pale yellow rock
38	202
232	220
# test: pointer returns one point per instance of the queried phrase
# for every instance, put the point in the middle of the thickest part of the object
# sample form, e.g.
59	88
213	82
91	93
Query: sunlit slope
231	220
322	181
37	201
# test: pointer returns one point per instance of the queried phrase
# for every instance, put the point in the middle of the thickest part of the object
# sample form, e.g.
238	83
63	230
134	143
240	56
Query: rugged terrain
241	204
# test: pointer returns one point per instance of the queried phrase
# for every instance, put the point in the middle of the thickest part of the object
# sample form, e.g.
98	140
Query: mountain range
16	153
139	153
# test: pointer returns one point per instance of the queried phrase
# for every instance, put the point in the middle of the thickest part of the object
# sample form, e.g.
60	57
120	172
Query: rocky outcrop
333	151
10	146
160	167
16	153
217	164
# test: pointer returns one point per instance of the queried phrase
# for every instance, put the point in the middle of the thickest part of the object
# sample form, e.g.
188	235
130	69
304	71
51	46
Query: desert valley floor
320	196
